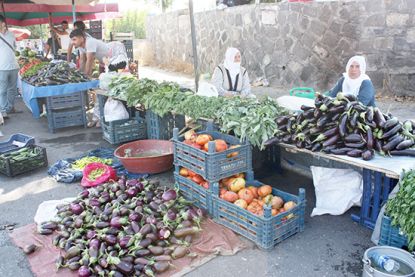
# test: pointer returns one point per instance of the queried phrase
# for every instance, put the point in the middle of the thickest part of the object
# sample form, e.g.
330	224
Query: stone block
268	17
401	44
301	52
320	51
335	27
307	72
308	39
410	35
295	67
317	27
247	19
304	22
383	43
397	19
330	39
350	30
325	13
376	20
238	20
271	32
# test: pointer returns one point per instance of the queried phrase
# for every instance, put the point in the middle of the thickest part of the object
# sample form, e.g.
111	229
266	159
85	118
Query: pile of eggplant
56	74
124	228
344	126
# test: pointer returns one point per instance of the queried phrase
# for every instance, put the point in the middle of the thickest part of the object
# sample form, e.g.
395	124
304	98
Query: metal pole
193	34
73	11
52	35
2	8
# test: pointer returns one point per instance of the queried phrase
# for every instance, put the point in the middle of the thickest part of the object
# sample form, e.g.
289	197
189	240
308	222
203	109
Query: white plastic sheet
115	110
47	210
336	190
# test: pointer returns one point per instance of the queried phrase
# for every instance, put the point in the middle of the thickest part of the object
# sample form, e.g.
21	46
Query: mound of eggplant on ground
125	228
344	126
56	74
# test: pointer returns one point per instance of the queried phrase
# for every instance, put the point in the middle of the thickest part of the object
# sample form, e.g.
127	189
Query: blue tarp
62	171
31	93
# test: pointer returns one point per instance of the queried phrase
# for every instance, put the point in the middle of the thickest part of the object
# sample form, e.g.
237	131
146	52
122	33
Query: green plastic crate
303	92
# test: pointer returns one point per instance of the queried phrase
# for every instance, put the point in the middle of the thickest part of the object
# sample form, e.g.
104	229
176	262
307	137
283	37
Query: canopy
20	34
32	14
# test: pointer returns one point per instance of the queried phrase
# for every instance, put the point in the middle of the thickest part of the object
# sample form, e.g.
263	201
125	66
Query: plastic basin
146	156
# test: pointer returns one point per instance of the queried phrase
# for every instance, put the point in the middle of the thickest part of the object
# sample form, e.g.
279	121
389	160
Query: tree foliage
132	21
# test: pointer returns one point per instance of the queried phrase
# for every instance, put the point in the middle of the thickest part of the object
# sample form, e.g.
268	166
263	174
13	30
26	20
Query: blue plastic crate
203	123
200	196
11	167
16	142
210	165
267	230
162	127
390	235
58	119
376	189
73	100
119	131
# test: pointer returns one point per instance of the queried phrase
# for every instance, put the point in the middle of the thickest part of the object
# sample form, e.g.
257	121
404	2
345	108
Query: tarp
20	34
31	93
32	14
214	240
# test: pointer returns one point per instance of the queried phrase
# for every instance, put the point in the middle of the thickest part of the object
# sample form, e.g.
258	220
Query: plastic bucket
405	258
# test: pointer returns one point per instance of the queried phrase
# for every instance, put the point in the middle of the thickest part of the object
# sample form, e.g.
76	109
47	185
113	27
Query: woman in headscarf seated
356	82
230	78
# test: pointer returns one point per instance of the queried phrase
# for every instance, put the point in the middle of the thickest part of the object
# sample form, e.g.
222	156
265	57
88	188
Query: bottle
385	262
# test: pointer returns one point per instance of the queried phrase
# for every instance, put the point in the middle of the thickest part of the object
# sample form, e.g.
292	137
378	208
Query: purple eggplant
131	182
76	208
84	271
161	266
168	195
405	144
164	233
392	131
368	154
124	242
331	141
94	243
135	227
132	191
91	234
406	152
355	153
83	194
124	267
141	253
144	243
118	222
103	263
101	225
135	217
110	239
94	202
393	143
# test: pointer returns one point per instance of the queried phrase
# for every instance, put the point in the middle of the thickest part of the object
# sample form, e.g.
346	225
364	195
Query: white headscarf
352	86
230	64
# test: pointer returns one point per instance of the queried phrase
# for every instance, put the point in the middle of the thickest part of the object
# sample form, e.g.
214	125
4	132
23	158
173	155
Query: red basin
146	156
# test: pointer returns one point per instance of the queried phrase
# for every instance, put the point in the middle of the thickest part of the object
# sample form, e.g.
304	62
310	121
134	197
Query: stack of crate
267	230
66	110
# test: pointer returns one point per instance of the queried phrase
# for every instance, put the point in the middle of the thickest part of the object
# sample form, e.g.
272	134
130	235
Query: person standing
8	69
63	34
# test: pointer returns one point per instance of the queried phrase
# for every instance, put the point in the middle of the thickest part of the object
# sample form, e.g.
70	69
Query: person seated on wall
230	78
356	82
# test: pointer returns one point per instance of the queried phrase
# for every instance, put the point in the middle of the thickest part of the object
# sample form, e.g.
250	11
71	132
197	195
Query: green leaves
401	209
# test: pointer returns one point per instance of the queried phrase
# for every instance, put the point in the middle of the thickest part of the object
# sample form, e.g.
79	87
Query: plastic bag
115	110
105	80
108	173
206	89
47	210
294	103
336	190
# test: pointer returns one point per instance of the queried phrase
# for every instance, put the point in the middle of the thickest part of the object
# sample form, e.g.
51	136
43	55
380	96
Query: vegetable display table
380	175
31	93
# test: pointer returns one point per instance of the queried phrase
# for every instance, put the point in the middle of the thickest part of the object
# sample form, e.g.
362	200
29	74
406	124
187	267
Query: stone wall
298	44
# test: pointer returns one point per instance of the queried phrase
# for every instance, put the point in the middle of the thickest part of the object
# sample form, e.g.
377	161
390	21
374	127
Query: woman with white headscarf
356	82
230	78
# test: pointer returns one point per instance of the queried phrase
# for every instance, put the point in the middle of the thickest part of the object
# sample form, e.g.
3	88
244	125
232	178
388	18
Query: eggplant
331	132
329	148
309	114
144	243
161	266
135	227
331	141
343	125
316	147
378	145
353	138
322	121
391	145
336	110
391	123
355	145
350	97
102	225
84	271
392	131
49	225
340	151
153	237
179	252
142	253
146	229
336	117
368	154
45	231
73	266
124	267
406	152
317	113
156	250
110	239
282	120
353	120
72	252
369	138
29	249
355	153
378	117
369	114
405	144
142	261
306	108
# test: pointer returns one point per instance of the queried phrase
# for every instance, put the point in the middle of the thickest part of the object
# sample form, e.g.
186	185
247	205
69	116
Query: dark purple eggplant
142	261
378	117
391	123
154	206
118	222
103	262
368	154
286	139
282	120
353	138
124	242
336	110
90	234
300	144
115	273
135	227
331	141
110	239
316	147
29	249
73	266
142	253
355	145
156	250
322	121
145	242
125	267
406	152
378	145
72	252
331	132
49	225
343	125
405	144
370	114
353	120
336	117
128	259
138	268
369	138
146	229
161	266
329	148
392	131
391	145
94	243
94	202
355	153
112	231
168	195
45	231
340	151
179	252
76	208
102	225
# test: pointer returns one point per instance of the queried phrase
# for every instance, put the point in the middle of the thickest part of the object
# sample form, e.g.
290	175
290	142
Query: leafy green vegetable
401	209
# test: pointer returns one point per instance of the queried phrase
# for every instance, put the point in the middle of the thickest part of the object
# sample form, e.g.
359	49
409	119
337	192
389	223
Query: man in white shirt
63	34
8	69
112	54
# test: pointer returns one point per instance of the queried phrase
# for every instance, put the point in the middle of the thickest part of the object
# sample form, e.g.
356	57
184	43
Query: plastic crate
390	235
303	92
74	100
203	123
376	189
125	130
11	168
213	166
200	196
162	127
16	142
58	119
267	230
129	49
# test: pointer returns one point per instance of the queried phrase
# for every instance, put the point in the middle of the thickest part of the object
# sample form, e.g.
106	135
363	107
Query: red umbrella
20	34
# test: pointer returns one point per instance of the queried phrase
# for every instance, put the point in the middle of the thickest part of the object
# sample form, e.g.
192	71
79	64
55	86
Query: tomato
246	195
202	139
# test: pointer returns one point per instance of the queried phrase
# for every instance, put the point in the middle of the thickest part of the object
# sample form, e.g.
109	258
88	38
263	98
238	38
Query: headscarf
230	64
352	86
